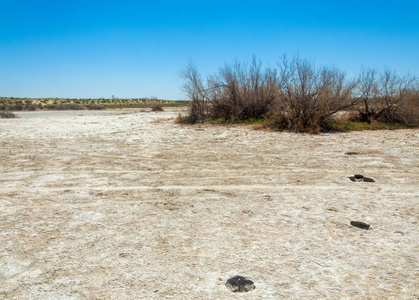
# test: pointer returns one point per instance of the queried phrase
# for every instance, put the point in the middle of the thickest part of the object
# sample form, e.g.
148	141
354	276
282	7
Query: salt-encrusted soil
134	206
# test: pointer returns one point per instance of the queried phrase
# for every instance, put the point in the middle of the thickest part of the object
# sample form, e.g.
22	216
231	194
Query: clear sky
126	48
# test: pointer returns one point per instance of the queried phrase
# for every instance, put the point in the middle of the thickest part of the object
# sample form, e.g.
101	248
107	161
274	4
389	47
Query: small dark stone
361	225
351	153
240	284
367	179
359	178
354	179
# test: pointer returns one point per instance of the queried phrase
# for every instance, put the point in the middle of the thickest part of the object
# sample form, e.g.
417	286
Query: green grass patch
216	121
254	120
359	126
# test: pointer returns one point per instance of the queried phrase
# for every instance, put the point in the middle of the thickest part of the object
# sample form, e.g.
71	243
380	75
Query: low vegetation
299	96
7	115
157	107
31	104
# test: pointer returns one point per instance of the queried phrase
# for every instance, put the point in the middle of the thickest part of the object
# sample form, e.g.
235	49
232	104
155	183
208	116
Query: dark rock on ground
361	225
360	178
240	284
351	153
367	179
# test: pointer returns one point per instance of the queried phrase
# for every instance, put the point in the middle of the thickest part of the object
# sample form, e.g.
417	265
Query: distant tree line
31	104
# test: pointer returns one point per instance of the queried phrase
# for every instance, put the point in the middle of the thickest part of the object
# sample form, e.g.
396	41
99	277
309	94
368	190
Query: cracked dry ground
138	207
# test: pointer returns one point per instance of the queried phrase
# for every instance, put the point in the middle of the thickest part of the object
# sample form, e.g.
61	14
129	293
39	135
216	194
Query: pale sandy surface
137	207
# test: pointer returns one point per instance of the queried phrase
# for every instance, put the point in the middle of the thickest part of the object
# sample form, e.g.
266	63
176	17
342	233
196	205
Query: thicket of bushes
19	106
299	96
73	106
7	115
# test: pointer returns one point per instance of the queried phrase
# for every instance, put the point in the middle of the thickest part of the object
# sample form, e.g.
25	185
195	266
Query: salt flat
134	206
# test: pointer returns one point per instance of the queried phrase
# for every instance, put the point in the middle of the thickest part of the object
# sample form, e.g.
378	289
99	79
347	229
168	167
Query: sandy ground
98	205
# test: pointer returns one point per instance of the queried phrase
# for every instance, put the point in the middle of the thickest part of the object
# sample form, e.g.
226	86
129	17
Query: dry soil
104	205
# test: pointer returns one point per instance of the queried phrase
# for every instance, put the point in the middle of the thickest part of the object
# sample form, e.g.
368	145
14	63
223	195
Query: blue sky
91	49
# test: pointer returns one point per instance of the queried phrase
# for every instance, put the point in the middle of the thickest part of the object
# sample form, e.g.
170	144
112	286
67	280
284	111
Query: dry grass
159	120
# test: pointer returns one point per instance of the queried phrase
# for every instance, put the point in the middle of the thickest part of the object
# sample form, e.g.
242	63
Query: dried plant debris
361	225
332	209
240	284
360	178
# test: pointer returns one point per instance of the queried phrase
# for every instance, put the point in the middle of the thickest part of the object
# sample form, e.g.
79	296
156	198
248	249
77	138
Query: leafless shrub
237	92
184	119
310	96
196	93
242	91
157	107
298	96
366	91
385	98
411	106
